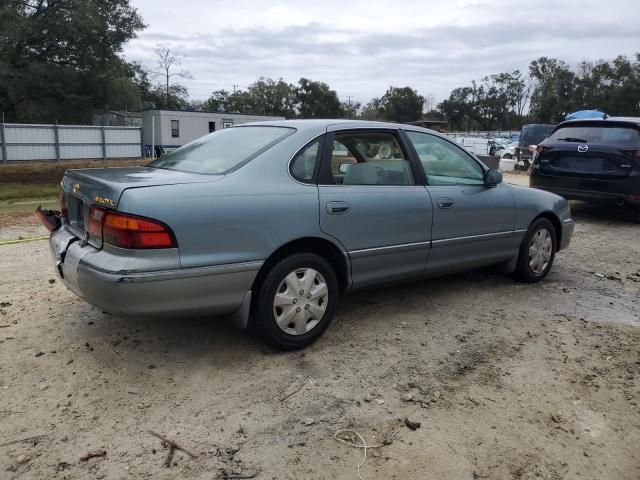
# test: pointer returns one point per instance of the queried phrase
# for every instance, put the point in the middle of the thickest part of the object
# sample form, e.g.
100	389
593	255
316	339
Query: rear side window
607	134
304	163
223	150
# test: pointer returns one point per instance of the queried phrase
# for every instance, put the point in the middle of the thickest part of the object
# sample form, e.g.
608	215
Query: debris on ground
93	454
293	392
172	446
411	425
22	459
348	437
224	474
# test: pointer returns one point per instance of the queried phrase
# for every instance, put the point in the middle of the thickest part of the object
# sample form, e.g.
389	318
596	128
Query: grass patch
12	193
43	173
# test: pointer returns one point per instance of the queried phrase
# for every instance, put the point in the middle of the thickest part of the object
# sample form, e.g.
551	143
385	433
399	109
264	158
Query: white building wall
192	125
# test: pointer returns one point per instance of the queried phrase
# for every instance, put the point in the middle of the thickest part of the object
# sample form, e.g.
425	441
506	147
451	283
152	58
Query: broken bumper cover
218	290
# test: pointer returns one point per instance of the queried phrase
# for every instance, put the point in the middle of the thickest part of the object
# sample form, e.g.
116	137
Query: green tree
458	109
372	110
401	105
317	100
59	60
271	97
554	87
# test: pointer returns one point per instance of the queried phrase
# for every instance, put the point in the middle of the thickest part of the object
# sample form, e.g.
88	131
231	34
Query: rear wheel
296	301
537	252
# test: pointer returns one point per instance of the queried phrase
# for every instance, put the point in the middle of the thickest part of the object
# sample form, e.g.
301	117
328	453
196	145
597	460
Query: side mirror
492	177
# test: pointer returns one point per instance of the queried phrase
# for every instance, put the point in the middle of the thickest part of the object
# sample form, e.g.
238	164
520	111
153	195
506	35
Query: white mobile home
170	129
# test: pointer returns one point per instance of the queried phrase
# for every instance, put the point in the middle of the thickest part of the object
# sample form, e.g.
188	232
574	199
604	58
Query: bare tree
429	103
168	60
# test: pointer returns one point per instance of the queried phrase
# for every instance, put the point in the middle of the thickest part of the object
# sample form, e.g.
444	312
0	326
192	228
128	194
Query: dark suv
592	160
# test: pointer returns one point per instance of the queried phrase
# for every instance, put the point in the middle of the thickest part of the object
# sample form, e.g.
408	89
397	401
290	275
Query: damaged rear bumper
112	280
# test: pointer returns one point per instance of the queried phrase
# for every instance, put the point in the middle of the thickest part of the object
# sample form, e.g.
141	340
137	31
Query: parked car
503	148
531	134
271	222
592	160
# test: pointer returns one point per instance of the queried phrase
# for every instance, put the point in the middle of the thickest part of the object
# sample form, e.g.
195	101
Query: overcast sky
361	47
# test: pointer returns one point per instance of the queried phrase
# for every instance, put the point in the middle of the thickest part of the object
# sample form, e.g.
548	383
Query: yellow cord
22	240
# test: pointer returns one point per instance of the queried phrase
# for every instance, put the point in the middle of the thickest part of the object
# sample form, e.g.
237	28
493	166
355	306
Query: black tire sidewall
523	270
263	308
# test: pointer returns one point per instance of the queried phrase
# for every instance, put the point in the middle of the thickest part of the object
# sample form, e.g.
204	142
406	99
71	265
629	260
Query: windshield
223	150
597	134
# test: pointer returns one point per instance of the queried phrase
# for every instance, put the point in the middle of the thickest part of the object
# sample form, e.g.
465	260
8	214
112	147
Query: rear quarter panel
244	217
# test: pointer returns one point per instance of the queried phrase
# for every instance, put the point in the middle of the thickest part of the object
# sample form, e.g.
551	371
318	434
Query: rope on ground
364	445
23	240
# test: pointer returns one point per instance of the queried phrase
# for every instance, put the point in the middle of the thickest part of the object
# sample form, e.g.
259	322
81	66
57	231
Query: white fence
23	142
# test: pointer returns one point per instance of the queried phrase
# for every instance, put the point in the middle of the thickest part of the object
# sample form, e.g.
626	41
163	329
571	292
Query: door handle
338	208
446	202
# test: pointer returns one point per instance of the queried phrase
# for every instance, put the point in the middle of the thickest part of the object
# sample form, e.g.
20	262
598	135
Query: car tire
637	215
507	156
537	252
296	301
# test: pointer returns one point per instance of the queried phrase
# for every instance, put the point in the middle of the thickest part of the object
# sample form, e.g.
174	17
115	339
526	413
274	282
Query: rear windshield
597	134
223	150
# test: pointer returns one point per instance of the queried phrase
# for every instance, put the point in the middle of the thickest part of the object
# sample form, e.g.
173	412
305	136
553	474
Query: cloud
361	61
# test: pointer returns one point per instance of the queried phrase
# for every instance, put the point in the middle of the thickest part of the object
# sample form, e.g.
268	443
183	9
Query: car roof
334	124
628	120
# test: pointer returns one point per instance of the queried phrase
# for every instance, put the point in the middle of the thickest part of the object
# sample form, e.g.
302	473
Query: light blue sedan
271	222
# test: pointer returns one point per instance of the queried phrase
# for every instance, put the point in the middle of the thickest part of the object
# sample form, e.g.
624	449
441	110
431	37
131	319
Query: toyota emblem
583	148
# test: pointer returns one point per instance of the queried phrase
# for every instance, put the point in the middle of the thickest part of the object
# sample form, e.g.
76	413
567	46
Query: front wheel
537	252
296	301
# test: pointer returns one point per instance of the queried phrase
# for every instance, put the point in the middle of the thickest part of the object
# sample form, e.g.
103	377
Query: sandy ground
507	381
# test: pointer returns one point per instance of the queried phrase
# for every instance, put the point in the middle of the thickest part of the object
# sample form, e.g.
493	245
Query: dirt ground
506	380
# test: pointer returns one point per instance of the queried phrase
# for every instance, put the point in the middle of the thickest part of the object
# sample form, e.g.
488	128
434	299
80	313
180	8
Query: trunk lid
104	186
598	162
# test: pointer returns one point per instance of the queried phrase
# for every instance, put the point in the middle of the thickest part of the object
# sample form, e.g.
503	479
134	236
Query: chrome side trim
366	252
160	275
519	232
470	238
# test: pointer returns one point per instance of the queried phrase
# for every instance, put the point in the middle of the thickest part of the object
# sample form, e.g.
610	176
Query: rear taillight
540	149
631	153
94	225
128	231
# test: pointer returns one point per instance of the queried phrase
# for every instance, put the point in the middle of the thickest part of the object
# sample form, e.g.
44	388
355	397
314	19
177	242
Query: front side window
444	163
175	128
304	163
223	150
369	159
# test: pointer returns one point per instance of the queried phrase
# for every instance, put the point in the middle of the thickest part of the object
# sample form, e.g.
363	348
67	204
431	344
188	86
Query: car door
473	224
372	202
